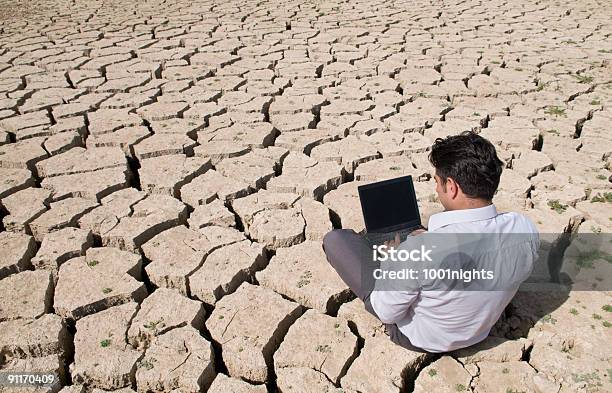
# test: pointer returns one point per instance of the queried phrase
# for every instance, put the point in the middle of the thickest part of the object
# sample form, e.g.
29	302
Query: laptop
389	206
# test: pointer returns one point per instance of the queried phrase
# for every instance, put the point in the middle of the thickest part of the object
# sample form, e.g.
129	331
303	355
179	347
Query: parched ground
169	168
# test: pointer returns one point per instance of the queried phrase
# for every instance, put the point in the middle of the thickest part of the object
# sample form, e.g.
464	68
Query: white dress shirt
445	320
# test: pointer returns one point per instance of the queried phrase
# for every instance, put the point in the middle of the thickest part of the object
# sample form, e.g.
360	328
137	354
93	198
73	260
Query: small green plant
323	348
336	325
541	85
591	379
146	363
555	205
394	168
460	387
505	370
433	372
92	263
153	325
548	319
105	343
601	177
606	197
595	102
221	316
555	111
596	316
510	390
607	308
240	349
304	279
606	324
553	131
584	78
573	311
107	290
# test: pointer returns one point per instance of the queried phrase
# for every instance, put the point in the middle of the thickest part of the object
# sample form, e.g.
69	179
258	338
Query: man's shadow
534	301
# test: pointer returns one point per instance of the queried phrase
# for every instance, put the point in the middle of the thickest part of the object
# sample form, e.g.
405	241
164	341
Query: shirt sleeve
392	299
392	306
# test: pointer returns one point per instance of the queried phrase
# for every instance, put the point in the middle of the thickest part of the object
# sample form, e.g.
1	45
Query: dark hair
470	160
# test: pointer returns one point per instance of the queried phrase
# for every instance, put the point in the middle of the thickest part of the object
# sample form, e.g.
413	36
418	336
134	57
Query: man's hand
393	243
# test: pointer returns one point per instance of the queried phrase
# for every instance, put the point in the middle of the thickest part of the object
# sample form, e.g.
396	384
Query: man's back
439	318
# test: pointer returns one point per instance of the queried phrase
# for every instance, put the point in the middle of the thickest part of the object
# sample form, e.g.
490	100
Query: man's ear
453	187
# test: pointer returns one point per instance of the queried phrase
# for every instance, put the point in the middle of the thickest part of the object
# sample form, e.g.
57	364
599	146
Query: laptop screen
389	203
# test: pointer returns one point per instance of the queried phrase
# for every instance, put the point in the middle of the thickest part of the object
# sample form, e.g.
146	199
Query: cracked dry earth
169	168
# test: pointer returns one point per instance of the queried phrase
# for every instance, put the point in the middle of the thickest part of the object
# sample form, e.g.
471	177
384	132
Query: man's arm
391	306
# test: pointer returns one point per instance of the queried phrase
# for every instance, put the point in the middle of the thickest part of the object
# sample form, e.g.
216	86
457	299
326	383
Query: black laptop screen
389	203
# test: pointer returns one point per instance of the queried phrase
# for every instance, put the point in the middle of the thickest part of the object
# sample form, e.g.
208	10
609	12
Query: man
467	173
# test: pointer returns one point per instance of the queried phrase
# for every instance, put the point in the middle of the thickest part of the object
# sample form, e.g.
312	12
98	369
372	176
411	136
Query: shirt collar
458	216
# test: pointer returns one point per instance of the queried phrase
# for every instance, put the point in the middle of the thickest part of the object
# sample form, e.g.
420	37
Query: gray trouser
349	253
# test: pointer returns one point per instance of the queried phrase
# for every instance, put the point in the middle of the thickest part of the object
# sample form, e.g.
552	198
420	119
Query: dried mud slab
319	342
81	160
103	278
348	152
150	216
167	174
251	168
102	356
164	144
23	207
179	359
40	337
304	380
316	217
13	180
249	334
113	208
382	366
504	376
344	205
248	207
444	375
225	269
306	176
387	168
27	294
124	138
162	311
278	227
22	155
213	214
177	253
61	214
211	185
94	186
494	349
222	383
366	324
16	252
315	285
60	246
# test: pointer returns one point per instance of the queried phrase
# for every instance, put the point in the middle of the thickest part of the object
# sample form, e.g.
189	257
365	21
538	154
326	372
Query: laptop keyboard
381	237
